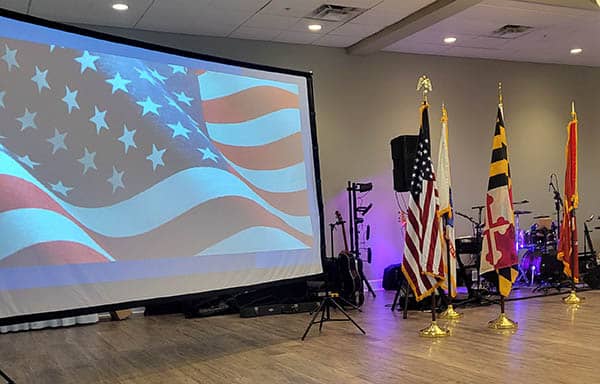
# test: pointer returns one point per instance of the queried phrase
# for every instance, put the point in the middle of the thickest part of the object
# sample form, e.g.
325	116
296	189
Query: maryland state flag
446	211
498	249
567	247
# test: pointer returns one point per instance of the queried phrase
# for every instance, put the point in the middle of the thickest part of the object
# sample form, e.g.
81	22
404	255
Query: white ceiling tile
403	8
271	21
553	35
191	17
354	3
265	34
297	37
353	29
326	26
98	12
239	5
15	5
380	19
291	8
331	40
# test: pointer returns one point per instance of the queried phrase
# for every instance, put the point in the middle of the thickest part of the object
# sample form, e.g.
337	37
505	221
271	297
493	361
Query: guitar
349	272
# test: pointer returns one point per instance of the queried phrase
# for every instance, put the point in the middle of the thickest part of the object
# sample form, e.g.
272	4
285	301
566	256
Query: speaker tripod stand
324	308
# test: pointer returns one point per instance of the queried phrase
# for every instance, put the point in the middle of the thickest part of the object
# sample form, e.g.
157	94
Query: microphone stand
557	202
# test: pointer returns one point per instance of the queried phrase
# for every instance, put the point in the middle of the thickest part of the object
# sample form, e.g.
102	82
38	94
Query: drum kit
536	248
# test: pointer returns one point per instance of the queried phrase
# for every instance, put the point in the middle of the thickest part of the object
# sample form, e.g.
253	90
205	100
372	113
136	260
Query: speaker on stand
404	151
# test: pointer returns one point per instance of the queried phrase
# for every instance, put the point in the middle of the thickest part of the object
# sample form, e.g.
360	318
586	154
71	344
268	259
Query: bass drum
530	264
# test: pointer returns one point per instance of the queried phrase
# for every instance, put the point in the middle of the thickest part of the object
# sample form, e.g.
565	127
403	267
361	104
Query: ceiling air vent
335	13
510	31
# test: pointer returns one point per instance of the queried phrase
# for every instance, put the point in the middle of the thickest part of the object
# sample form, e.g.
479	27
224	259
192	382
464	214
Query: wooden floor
554	344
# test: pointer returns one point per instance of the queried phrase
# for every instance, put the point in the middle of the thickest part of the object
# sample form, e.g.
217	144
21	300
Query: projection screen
131	172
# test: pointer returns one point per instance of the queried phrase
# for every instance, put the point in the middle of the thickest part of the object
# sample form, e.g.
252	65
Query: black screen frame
200	56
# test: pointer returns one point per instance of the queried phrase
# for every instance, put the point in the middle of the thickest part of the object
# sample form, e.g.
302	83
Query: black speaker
404	151
392	277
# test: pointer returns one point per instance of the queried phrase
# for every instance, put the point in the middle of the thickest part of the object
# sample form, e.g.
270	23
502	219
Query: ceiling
413	26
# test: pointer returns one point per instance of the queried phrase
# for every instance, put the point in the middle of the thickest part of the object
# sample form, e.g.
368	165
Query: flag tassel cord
449	313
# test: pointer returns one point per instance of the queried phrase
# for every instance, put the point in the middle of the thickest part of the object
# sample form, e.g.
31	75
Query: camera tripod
330	301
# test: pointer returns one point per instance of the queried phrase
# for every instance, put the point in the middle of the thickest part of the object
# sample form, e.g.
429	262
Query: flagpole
449	313
572	298
433	330
502	321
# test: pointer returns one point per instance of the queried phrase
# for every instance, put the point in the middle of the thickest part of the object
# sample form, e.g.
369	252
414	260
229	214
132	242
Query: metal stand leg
369	288
324	308
6	378
396	297
405	311
320	308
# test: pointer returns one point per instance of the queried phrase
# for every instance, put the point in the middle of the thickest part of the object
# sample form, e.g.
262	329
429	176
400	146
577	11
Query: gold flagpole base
503	322
450	314
573	298
434	331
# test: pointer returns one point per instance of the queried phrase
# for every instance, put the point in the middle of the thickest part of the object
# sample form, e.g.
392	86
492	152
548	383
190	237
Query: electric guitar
349	274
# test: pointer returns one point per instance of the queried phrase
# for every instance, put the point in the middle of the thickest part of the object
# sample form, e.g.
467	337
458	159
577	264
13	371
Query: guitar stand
328	302
366	282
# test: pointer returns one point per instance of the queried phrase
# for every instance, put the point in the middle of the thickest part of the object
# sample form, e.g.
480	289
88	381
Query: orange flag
567	249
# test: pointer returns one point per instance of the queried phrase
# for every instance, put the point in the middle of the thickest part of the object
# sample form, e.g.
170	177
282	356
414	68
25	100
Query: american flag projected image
129	174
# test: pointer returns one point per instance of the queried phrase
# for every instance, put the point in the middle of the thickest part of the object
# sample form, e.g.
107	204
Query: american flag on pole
107	158
446	209
423	264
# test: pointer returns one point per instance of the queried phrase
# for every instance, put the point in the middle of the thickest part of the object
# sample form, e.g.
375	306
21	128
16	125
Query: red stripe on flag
276	155
20	194
248	104
53	253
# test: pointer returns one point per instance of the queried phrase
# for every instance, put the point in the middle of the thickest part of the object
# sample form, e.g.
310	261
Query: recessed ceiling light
576	51
315	27
120	7
449	39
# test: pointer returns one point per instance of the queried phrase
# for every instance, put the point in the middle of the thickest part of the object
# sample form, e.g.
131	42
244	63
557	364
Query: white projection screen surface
131	173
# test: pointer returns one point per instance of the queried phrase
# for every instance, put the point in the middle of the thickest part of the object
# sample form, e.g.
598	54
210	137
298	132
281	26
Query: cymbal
541	217
519	212
525	201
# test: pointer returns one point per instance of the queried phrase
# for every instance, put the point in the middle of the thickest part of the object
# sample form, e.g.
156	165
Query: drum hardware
472	246
522	212
519	240
588	260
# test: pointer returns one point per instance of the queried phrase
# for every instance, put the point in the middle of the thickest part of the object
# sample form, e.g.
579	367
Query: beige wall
363	102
